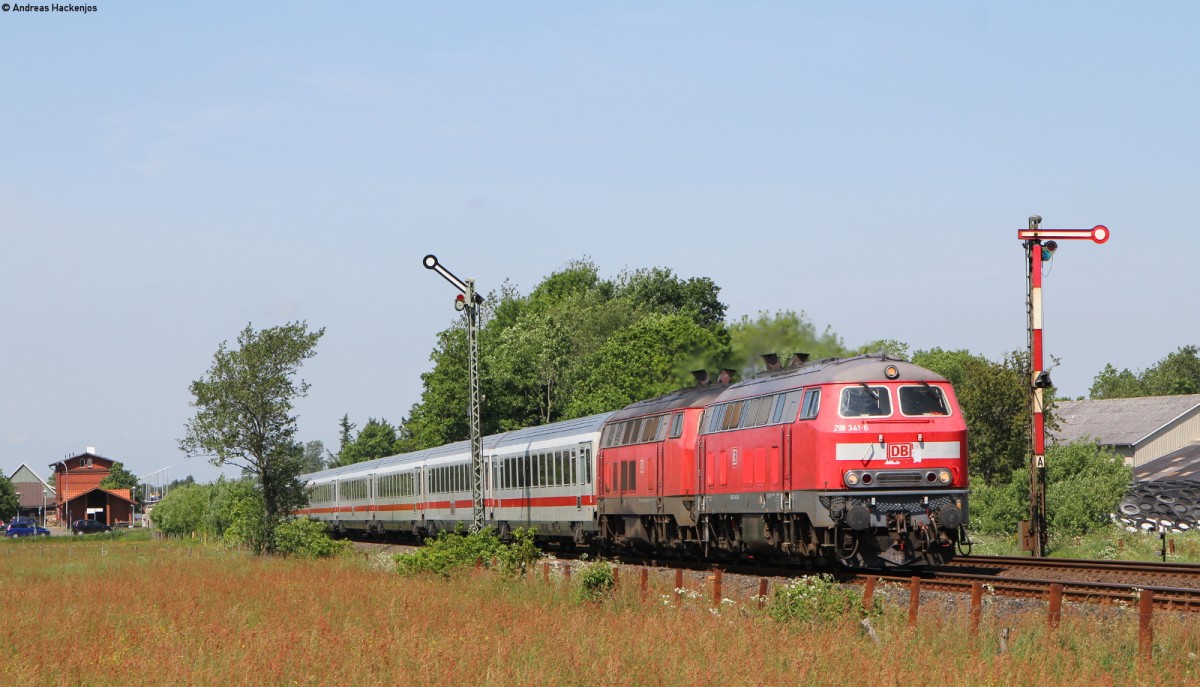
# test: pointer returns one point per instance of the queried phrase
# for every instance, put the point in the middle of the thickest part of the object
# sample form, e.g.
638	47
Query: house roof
24	473
123	494
32	494
1182	463
1120	421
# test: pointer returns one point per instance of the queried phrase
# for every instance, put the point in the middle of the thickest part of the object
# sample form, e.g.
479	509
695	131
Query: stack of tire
1161	506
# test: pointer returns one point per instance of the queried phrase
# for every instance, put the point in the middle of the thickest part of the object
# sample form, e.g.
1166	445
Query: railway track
1174	585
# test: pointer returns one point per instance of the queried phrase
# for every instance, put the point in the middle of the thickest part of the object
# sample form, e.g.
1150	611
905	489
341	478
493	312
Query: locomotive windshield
865	401
923	400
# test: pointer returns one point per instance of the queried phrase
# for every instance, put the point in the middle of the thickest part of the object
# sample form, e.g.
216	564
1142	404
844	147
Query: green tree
783	333
9	502
347	432
659	290
1176	374
538	352
377	439
315	457
121	478
183	510
645	360
1113	384
994	398
244	415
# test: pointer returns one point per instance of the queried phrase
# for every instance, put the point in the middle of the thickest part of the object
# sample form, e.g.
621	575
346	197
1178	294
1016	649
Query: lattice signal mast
1037	252
468	302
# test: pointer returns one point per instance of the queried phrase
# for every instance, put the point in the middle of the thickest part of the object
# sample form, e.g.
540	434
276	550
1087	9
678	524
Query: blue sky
173	171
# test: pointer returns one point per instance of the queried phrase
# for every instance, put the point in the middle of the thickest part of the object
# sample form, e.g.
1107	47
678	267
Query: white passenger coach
541	477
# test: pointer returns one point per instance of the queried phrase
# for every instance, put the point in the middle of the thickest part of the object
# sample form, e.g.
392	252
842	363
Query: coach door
421	492
581	471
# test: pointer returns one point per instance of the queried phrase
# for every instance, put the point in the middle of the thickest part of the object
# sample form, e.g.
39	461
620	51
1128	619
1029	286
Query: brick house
80	496
35	497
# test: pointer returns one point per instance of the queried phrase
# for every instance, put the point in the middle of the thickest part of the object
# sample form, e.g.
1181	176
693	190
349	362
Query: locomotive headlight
943	477
852	478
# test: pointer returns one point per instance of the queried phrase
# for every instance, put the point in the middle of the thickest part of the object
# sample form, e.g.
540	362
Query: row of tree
1178	373
580	344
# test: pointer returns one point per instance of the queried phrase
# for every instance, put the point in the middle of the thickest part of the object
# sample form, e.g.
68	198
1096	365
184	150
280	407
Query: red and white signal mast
1037	252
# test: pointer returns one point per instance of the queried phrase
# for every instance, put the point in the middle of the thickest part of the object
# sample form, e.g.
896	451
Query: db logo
897	451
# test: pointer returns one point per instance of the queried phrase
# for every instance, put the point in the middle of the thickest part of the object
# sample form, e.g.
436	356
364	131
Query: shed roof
1182	463
123	494
1120	421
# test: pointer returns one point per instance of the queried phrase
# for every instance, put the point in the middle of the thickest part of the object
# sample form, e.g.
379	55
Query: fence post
678	586
1056	592
762	592
869	593
567	575
645	582
616	576
717	587
1145	629
914	600
976	605
545	572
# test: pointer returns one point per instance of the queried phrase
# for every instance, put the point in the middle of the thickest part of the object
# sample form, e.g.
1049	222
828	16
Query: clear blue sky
170	172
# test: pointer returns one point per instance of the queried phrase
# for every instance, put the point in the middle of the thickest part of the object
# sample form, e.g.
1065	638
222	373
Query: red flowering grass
171	613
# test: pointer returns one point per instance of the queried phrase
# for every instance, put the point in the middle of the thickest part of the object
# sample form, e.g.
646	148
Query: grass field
122	611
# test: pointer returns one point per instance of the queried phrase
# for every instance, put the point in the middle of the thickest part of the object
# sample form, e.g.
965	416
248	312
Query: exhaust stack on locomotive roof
799	359
726	376
772	361
701	377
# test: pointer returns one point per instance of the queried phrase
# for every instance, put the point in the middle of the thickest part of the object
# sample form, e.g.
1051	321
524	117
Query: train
858	462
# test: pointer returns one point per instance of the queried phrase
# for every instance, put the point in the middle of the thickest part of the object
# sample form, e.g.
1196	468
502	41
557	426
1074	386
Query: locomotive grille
882	505
899	478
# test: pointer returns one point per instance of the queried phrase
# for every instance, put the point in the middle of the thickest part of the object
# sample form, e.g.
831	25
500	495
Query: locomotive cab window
676	425
812	404
865	401
923	400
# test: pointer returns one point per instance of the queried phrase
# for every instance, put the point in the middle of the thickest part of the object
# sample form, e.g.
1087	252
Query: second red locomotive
860	460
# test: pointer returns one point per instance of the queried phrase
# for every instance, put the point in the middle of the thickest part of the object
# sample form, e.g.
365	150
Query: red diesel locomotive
860	460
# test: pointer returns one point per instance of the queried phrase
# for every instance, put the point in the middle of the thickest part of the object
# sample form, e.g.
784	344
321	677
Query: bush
1084	484
183	510
996	509
521	553
449	552
452	551
813	598
306	538
596	581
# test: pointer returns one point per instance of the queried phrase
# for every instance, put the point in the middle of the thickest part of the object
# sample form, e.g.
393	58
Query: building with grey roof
1142	430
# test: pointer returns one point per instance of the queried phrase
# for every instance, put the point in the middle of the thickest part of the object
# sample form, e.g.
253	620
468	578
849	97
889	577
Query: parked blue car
25	528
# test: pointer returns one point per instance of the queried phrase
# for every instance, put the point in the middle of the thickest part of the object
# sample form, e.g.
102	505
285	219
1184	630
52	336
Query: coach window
865	401
587	464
